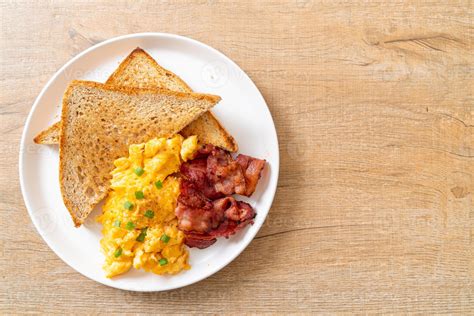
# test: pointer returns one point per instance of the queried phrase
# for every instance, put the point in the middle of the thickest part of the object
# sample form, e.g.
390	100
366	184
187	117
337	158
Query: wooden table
373	103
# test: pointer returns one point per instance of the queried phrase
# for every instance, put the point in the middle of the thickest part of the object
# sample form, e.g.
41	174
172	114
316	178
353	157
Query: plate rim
275	168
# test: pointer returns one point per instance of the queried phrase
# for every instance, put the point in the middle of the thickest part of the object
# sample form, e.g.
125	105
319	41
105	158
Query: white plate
242	111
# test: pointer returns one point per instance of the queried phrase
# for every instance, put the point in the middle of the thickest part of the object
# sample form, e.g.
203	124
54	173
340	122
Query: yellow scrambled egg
139	223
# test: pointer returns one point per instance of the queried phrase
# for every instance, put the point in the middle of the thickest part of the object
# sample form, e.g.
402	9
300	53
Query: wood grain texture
373	103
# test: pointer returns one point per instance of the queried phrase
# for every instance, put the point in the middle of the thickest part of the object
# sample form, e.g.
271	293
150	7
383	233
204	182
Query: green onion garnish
128	205
118	252
158	184
117	223
139	171
163	261
130	226
149	214
139	195
142	235
165	238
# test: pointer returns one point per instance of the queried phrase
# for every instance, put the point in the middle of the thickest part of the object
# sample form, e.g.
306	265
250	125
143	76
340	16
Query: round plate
242	111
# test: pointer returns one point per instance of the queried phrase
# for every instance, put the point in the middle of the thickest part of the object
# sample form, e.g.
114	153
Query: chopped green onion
117	223
159	184
128	205
165	238
118	252
130	226
163	261
149	214
139	171
142	235
139	195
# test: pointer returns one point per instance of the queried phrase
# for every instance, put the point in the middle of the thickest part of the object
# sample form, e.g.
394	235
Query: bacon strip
199	240
252	169
204	220
225	173
205	209
195	211
195	171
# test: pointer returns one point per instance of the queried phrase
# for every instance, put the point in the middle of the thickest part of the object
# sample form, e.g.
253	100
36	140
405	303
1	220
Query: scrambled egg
139	223
189	147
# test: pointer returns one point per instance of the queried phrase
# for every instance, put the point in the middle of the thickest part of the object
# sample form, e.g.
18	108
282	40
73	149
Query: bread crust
140	91
62	142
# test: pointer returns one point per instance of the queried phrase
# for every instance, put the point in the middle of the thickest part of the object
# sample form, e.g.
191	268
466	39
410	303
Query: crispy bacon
252	169
225	173
203	220
205	209
195	212
233	210
200	241
196	172
231	176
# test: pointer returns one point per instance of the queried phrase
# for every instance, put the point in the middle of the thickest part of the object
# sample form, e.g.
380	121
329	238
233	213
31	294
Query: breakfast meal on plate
148	145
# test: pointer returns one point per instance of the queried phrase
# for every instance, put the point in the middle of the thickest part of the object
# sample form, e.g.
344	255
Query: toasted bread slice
49	136
100	121
140	70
